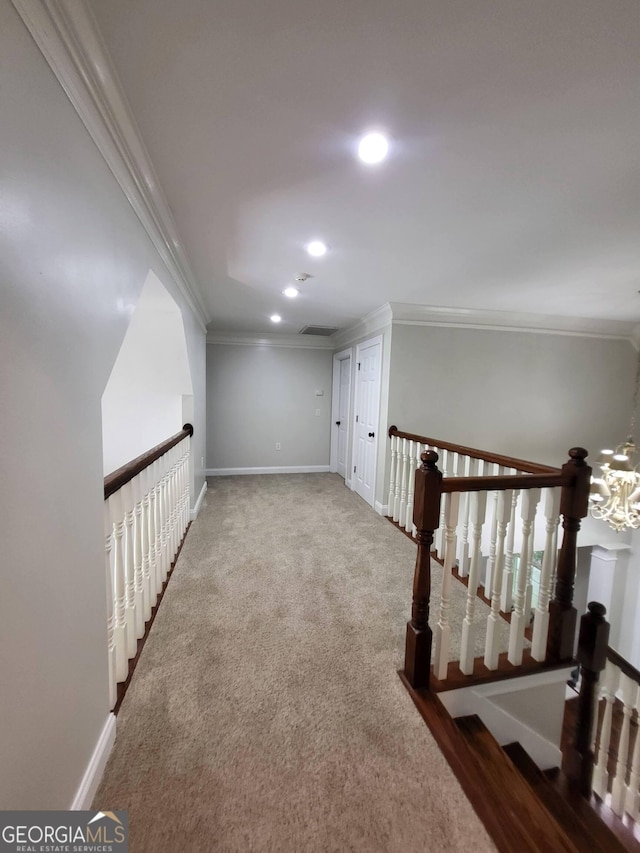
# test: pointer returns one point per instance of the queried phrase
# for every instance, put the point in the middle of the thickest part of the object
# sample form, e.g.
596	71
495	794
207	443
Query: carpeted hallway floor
265	713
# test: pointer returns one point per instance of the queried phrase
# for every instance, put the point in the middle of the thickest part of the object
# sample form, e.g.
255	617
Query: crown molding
70	41
270	340
405	314
375	321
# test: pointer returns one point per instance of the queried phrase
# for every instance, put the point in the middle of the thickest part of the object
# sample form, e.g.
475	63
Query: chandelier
615	495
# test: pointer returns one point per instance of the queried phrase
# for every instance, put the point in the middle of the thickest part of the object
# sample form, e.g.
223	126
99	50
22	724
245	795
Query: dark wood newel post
574	506
426	517
592	657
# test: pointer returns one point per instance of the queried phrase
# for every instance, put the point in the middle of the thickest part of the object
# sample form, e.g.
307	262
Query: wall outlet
317	413
278	445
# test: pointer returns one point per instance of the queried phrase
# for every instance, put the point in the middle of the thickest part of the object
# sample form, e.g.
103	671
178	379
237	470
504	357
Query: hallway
265	712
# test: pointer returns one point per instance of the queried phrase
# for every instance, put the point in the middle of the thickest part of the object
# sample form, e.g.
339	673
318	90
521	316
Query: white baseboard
381	509
285	469
347	483
93	774
196	509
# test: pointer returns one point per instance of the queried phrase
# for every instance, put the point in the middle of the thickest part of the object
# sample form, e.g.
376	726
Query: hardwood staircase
522	807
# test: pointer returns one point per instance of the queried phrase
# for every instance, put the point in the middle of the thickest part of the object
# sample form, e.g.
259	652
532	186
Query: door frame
335	405
377	339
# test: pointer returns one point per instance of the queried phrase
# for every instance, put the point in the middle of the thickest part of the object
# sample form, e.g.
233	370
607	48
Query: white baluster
439	538
402	514
549	558
129	568
632	792
111	645
173	505
147	598
396	500
164	519
158	524
411	476
468	470
187	485
136	484
443	628
392	475
491	560
477	513
600	782
116	512
506	596
520	615
503	514
618	789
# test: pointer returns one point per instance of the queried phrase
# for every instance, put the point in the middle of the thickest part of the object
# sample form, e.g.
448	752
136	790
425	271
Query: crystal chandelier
615	495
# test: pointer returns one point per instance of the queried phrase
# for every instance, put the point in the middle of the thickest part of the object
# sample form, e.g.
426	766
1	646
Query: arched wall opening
149	395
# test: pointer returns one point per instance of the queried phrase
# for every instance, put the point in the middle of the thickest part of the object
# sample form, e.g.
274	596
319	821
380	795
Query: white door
368	367
342	424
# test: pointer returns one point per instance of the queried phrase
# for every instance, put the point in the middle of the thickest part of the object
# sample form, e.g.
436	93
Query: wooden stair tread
579	820
513	798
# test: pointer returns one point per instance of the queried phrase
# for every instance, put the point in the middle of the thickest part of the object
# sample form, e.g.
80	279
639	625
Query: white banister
549	559
402	513
146	515
503	514
477	513
520	615
443	628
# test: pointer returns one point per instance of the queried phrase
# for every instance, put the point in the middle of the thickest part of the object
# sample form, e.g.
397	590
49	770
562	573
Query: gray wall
260	395
524	394
73	256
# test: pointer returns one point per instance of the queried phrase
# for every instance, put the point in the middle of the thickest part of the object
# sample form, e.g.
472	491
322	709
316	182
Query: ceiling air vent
321	331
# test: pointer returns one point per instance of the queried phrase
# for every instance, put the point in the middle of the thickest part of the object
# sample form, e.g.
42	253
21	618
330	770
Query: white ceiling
514	176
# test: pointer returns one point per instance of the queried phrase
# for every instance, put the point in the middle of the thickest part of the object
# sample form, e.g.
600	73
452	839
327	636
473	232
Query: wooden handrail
514	481
475	453
623	665
120	477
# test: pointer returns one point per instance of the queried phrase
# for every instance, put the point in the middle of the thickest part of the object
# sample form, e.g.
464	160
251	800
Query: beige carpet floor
266	713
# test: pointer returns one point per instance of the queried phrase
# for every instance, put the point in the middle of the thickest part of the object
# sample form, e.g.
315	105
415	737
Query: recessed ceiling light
316	248
373	148
291	292
275	318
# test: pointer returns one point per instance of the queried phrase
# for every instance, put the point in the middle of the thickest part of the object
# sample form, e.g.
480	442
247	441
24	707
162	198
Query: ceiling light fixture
291	292
275	318
373	148
615	495
316	248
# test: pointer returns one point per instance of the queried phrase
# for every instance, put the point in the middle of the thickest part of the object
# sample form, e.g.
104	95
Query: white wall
142	404
522	394
260	395
73	260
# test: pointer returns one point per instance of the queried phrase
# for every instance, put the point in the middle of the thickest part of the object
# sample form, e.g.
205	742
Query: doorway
340	408
367	416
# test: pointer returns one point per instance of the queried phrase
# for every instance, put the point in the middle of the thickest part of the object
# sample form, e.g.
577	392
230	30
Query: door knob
372	435
337	423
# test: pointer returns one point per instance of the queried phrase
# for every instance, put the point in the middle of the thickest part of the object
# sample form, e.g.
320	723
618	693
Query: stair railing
616	740
146	515
553	638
